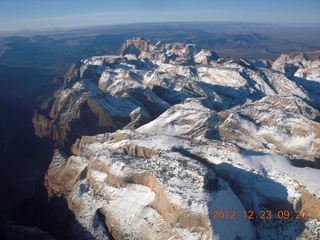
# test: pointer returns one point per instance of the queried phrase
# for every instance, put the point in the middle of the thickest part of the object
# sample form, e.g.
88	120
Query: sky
36	14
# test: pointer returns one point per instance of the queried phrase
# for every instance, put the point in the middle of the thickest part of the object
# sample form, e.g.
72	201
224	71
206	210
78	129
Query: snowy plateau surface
182	144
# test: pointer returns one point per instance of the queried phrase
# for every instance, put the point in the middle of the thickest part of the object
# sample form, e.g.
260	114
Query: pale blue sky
33	14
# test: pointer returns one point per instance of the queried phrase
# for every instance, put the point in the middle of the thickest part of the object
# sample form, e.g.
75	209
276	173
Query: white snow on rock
189	118
192	135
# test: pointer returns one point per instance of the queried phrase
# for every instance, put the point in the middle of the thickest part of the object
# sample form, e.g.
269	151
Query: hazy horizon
20	15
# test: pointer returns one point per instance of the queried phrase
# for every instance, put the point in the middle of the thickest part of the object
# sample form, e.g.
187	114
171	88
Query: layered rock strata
189	143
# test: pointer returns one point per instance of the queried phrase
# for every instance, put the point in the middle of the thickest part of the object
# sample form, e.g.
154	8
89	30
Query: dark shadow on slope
146	99
97	112
251	153
251	187
25	84
103	219
305	163
169	95
188	154
208	94
24	159
256	192
313	89
272	194
259	94
52	216
229	96
37	211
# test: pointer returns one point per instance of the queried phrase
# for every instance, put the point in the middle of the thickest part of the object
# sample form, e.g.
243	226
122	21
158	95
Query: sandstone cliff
184	133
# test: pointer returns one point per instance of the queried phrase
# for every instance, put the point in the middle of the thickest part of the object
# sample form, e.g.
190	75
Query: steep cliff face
84	109
77	111
304	70
146	190
141	185
186	137
134	46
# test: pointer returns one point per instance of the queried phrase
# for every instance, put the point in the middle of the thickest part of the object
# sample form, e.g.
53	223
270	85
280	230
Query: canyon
152	141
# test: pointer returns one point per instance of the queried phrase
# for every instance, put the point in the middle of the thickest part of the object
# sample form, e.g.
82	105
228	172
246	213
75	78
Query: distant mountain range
55	50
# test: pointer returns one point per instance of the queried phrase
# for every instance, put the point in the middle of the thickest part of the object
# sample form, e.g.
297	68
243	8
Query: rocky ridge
186	133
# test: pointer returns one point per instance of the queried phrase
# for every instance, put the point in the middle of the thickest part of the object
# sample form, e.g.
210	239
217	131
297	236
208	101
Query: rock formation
188	144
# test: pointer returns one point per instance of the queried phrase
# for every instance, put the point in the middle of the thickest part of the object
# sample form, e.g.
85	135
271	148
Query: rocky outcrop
299	65
303	68
84	109
77	111
164	187
183	133
310	204
189	118
283	125
134	46
205	56
43	126
144	195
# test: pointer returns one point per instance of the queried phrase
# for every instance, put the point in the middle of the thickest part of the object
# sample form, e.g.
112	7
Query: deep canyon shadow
250	188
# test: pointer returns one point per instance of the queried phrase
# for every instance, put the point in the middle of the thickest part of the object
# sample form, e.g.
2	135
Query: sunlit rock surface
172	142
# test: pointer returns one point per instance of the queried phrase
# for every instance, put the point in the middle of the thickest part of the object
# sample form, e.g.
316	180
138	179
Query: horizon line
78	27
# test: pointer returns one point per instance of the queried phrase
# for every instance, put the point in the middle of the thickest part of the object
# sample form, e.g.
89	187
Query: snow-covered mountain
189	144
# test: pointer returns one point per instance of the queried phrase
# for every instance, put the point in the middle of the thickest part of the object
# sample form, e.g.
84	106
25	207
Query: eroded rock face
84	109
148	191
134	46
184	133
311	204
161	186
283	125
43	126
79	110
305	68
174	72
186	119
205	56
